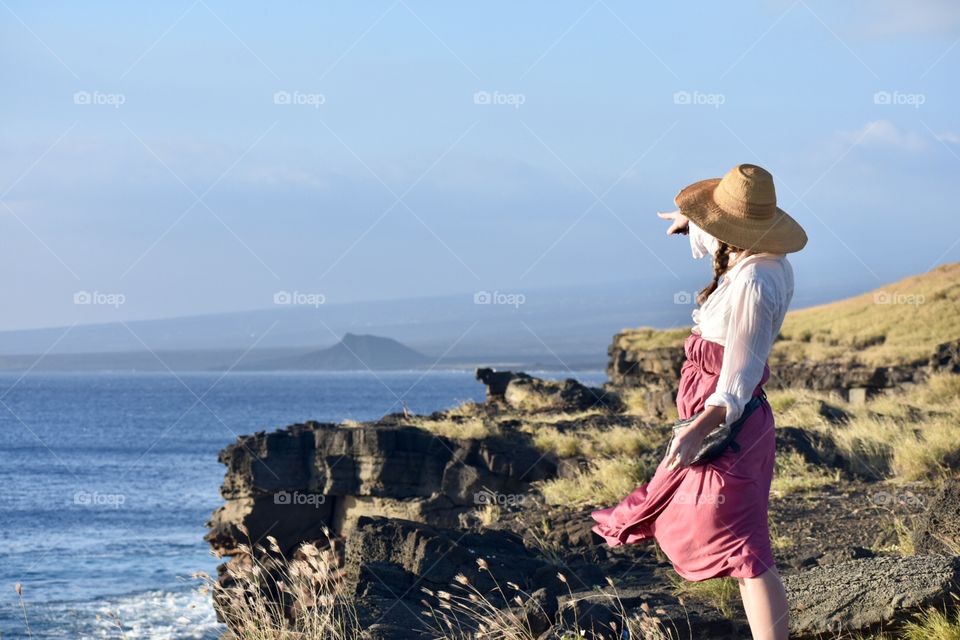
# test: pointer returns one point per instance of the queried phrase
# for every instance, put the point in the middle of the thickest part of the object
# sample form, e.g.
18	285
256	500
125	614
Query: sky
190	157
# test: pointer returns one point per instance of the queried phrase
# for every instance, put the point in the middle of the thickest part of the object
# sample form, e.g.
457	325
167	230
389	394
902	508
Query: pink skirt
711	519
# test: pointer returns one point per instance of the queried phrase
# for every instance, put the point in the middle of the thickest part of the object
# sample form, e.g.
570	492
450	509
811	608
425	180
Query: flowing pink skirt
709	519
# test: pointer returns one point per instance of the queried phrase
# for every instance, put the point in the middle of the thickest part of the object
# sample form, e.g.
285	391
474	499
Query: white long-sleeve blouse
744	315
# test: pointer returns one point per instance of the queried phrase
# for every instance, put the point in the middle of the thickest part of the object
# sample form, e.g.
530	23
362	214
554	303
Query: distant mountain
548	328
353	353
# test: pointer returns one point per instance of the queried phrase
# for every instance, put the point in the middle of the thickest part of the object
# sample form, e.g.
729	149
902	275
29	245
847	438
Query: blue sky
199	156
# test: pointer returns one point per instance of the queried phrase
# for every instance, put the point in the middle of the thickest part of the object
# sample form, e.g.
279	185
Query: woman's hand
684	448
680	223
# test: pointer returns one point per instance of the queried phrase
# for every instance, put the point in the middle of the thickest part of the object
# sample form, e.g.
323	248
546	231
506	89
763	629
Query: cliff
422	526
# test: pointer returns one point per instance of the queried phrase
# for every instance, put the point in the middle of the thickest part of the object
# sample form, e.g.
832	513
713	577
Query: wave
153	615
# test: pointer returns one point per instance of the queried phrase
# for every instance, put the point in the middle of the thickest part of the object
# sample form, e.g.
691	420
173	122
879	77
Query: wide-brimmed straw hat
741	209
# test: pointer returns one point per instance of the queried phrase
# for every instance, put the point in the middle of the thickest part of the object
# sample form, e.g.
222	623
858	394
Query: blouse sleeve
750	334
699	241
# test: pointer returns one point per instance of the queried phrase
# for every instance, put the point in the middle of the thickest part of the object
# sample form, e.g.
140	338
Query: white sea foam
152	615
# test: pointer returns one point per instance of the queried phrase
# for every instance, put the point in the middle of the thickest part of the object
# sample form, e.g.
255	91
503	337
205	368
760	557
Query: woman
710	518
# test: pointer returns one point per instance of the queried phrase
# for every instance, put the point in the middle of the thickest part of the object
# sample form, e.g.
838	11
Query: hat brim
779	234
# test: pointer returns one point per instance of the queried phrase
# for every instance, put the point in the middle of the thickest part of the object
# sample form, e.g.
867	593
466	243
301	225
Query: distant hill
898	323
353	353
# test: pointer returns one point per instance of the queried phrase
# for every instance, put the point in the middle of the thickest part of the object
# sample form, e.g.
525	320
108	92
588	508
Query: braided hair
721	263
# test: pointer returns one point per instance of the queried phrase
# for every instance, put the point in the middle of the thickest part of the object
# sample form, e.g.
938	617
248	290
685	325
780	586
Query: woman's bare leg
765	603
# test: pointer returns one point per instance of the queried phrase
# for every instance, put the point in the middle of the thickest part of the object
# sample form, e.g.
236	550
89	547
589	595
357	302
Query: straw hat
741	210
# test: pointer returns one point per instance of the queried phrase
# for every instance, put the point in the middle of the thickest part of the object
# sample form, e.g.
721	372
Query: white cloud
883	133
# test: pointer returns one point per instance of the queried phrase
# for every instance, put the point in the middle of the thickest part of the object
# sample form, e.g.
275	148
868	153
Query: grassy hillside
898	323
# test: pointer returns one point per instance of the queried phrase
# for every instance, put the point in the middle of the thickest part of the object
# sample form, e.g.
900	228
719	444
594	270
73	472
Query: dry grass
933	624
311	583
605	482
532	422
720	593
888	438
645	338
635	402
794	475
625	441
527	398
466	613
899	323
489	514
458	427
902	436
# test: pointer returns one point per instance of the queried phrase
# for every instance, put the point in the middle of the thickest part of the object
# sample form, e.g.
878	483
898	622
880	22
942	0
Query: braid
721	262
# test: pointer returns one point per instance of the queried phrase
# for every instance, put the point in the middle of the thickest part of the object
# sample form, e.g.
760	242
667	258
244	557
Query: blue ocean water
107	481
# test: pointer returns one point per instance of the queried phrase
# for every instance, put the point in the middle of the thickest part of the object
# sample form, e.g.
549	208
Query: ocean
107	481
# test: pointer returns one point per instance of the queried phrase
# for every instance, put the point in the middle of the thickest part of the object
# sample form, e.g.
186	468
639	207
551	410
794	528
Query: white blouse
744	314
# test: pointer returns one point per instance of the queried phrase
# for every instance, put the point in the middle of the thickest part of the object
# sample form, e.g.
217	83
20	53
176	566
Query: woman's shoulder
769	270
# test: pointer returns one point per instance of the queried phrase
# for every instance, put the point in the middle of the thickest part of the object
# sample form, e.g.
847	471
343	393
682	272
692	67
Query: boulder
946	357
815	448
496	381
526	393
538	612
861	595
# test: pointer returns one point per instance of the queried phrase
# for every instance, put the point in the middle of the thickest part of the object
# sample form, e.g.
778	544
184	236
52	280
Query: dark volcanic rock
664	615
834	415
947	357
389	563
436	556
539	611
862	594
647	367
937	529
527	393
497	381
297	481
840	376
815	448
